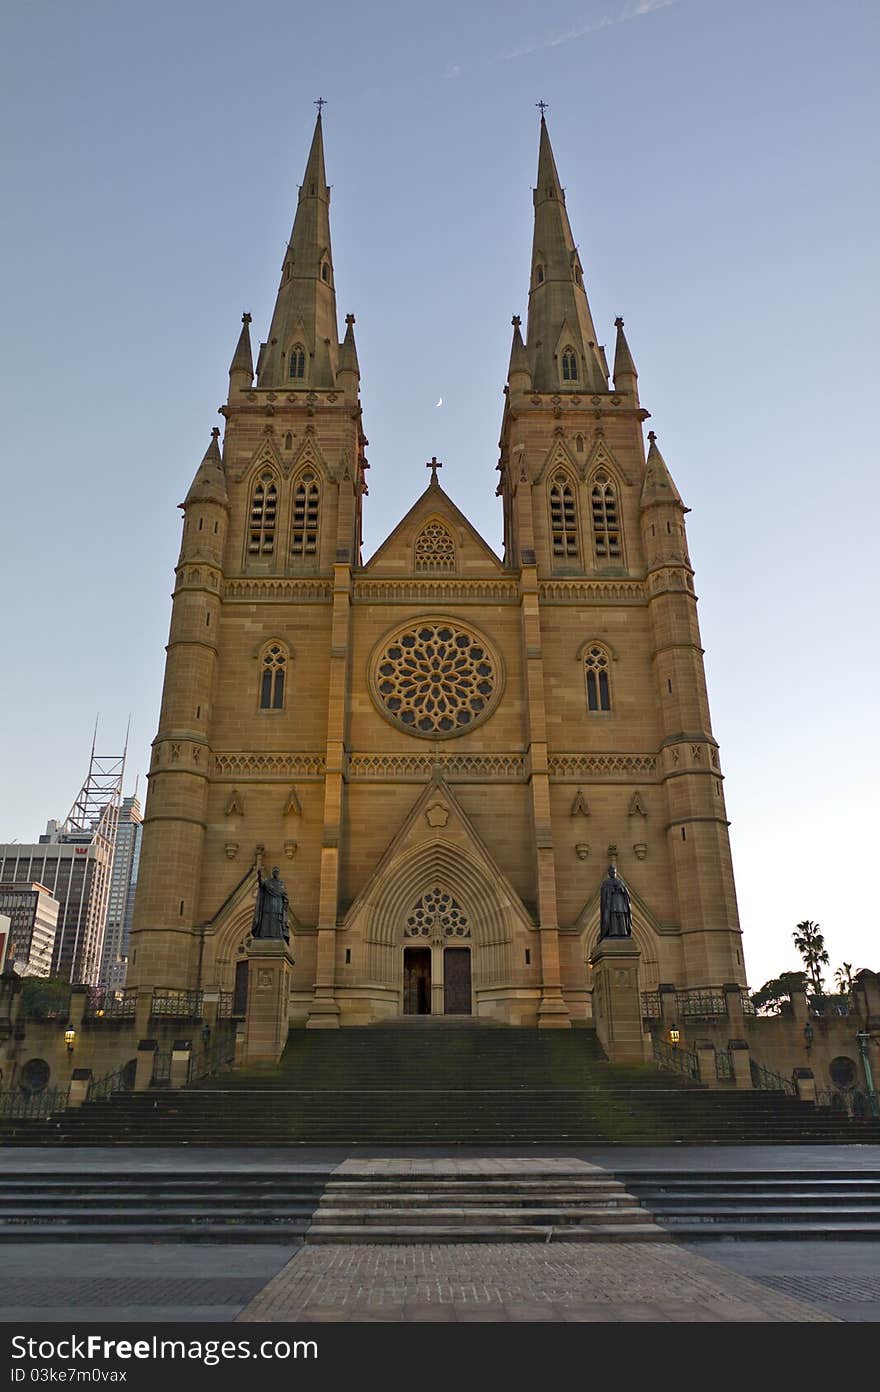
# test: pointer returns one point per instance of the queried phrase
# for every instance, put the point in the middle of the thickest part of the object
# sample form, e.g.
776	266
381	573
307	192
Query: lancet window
569	366
297	367
598	683
306	515
563	518
263	514
273	670
606	519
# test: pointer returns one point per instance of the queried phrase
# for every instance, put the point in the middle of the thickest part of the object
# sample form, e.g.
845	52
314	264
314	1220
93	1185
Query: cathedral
442	749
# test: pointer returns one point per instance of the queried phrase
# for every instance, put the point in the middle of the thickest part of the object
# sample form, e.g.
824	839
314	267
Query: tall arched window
598	684
273	669
434	548
569	366
563	518
297	366
306	515
264	508
539	274
325	273
606	519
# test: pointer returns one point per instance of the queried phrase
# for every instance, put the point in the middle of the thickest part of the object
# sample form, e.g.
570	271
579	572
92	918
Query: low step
465	1218
431	1233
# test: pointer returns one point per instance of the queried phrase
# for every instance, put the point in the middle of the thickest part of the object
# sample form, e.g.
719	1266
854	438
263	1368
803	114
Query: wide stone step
474	1215
292	1234
430	1233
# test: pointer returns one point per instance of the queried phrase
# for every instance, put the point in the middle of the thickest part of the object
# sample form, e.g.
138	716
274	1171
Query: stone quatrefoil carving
435	678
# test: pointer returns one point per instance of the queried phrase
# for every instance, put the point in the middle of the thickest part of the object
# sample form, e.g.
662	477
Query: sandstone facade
441	748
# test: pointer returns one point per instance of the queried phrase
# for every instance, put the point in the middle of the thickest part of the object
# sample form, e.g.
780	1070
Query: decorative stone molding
640	850
582	850
429	591
591	591
579	807
462	767
234	804
303	591
636	806
600	765
268	765
437	815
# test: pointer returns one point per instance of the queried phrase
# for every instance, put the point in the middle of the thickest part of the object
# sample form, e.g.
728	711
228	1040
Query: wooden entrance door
417	981
457	981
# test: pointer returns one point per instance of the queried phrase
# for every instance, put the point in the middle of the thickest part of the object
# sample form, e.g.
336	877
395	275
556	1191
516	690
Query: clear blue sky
720	160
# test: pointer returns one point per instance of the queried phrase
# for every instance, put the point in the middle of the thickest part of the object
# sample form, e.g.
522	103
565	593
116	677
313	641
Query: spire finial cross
543	106
434	464
320	104
246	318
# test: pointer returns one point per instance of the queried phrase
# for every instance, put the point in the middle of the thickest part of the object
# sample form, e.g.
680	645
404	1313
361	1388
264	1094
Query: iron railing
177	1005
765	1080
676	1060
228	1008
16	1103
850	1102
703	1003
214	1057
110	1005
120	1080
650	1005
161	1068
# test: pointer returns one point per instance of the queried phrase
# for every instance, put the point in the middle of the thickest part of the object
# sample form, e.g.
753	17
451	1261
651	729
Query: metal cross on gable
320	104
543	106
433	464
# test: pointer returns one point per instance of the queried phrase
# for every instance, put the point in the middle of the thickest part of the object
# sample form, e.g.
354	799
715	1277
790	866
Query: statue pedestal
268	1000
617	1006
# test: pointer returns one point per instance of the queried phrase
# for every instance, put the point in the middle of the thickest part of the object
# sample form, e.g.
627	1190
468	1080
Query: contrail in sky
633	9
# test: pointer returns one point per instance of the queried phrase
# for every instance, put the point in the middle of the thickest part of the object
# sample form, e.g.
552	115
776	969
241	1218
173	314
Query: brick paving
605	1282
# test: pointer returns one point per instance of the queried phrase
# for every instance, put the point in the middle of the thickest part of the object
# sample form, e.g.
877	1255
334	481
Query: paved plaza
733	1281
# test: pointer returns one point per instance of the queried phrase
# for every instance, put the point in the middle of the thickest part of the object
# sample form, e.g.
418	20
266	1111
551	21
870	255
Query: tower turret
697	834
626	379
241	369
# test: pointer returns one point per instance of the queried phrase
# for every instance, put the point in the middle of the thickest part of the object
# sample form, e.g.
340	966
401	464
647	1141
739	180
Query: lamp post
863	1037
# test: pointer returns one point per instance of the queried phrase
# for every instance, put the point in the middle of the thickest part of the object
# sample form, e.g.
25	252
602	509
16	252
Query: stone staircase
135	1205
708	1205
525	1202
462	1084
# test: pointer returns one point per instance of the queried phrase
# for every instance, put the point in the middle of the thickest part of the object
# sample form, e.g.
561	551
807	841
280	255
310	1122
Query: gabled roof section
394	556
437	827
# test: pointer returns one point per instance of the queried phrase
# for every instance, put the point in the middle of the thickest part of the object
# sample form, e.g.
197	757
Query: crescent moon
439	403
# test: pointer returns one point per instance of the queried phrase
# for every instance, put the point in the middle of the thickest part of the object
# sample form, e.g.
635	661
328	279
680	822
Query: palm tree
810	943
843	979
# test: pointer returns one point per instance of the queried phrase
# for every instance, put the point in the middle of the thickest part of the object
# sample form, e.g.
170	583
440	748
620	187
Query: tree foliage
43	997
778	990
810	943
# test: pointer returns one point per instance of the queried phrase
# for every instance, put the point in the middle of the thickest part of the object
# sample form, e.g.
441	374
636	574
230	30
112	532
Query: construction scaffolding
92	822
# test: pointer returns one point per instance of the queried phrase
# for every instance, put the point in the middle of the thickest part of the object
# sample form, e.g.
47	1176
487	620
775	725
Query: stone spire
626	379
304	322
241	369
209	484
658	486
559	315
519	377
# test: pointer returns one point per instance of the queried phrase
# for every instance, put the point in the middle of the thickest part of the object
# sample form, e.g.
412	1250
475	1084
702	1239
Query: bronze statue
615	916
271	908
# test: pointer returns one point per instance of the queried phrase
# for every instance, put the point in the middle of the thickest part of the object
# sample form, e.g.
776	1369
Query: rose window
436	679
435	913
